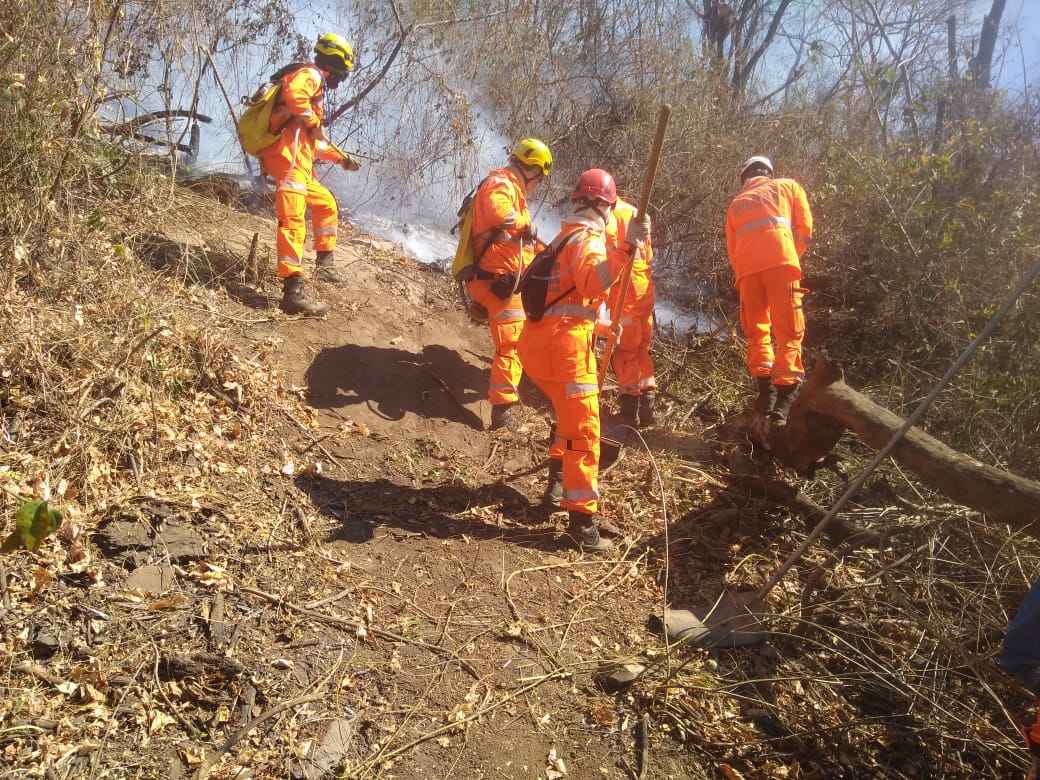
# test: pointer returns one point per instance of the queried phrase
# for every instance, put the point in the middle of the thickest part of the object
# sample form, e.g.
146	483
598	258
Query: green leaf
34	522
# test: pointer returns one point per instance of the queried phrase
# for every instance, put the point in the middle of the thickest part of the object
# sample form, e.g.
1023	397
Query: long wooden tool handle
644	203
655	158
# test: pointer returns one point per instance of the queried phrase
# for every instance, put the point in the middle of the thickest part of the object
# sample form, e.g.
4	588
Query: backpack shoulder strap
285	70
558	244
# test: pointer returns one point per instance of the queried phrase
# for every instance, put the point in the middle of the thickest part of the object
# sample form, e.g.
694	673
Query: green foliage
33	523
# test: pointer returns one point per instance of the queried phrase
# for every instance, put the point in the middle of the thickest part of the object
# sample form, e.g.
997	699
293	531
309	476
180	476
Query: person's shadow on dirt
439	511
437	383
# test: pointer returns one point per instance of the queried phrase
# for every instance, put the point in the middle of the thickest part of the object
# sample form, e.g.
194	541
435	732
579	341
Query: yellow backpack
465	262
254	126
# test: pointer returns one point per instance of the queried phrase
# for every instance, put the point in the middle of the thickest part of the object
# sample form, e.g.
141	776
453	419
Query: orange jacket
559	346
298	116
767	224
640	299
501	205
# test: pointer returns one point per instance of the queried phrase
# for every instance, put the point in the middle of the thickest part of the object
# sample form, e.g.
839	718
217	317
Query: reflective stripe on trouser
295	193
577	441
771	305
505	324
505	364
631	361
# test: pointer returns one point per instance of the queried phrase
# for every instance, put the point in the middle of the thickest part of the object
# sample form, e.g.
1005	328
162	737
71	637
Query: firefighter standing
503	245
768	228
557	351
290	162
633	366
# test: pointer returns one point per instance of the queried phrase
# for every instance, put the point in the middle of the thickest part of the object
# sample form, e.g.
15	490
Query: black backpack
534	284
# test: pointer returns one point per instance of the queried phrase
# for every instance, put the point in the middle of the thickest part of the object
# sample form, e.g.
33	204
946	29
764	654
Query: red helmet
596	184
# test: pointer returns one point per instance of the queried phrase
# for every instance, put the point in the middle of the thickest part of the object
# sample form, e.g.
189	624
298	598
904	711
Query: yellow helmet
337	51
531	151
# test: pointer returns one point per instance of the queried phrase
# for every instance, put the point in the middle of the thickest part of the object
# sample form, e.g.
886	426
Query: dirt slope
387	558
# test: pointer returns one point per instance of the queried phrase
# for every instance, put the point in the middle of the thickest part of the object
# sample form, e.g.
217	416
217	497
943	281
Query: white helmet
756	160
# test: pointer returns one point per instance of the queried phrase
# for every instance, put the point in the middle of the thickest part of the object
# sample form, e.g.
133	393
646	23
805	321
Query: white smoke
407	193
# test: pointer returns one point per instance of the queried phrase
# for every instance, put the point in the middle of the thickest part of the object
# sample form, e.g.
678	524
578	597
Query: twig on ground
37	671
235	738
380	632
643	743
553	675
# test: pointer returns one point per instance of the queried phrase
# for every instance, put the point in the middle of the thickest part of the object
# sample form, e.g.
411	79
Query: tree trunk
982	64
826	407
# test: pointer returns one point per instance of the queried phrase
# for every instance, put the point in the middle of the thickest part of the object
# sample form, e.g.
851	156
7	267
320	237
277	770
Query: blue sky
1024	15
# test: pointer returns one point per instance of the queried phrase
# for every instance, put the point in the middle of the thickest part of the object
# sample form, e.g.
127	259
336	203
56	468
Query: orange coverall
768	227
501	205
290	162
557	353
632	364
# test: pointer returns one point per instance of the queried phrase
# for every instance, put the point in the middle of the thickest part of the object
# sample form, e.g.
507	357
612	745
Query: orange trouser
296	190
633	366
772	300
505	323
576	442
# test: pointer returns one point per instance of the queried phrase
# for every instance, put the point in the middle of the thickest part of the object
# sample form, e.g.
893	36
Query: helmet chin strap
519	167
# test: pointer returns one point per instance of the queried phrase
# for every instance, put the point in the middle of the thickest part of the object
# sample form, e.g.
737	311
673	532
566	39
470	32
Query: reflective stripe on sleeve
511	314
571	310
603	272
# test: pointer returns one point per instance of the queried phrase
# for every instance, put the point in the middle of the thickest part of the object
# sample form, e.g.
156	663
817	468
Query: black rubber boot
327	268
501	416
295	302
646	409
554	488
629	410
766	396
582	529
785	395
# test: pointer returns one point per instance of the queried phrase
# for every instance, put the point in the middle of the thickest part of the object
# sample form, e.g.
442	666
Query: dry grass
881	659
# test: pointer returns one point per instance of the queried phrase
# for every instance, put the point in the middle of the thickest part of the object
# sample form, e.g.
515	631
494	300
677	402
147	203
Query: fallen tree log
826	407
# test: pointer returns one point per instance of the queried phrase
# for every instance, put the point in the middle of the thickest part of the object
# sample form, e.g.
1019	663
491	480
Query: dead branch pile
882	654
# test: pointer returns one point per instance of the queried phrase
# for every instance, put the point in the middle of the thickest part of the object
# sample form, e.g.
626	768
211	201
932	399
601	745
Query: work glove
638	233
350	164
503	285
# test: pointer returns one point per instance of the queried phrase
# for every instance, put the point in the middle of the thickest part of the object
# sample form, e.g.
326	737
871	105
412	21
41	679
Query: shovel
735	620
612	439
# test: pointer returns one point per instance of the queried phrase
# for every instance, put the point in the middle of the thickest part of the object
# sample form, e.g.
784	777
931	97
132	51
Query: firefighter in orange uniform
768	228
632	363
557	351
290	162
504	243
